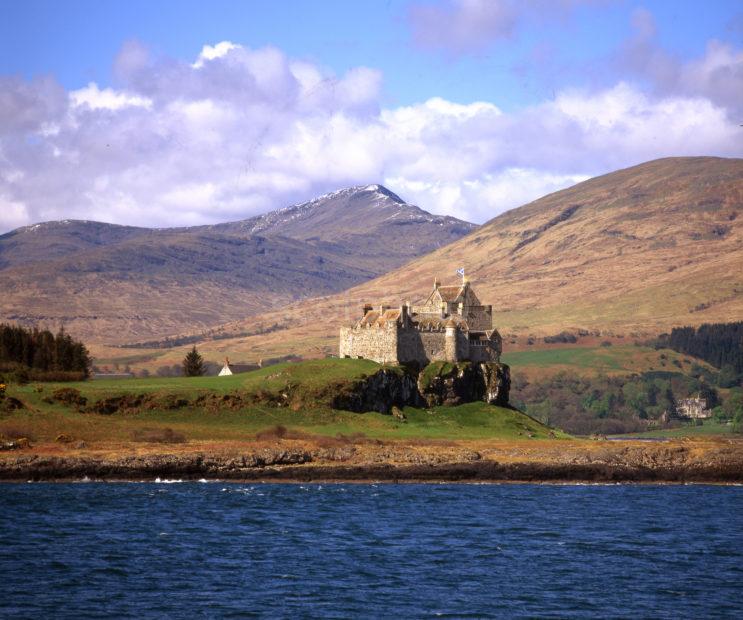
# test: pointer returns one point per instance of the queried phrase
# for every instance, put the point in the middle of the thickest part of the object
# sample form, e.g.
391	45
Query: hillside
634	251
109	283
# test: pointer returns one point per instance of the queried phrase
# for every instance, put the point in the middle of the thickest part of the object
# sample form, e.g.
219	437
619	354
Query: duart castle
450	325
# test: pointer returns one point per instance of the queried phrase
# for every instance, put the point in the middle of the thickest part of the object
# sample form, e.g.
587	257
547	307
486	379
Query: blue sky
466	107
77	41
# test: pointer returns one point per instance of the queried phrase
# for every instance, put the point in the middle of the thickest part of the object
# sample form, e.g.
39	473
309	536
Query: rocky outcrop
381	391
496	379
453	384
439	383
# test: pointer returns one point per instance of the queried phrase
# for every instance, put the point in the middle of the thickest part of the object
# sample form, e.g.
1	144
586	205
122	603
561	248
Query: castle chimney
404	314
367	308
436	283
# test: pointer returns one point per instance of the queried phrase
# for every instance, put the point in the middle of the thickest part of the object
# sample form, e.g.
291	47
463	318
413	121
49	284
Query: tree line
40	354
719	344
613	405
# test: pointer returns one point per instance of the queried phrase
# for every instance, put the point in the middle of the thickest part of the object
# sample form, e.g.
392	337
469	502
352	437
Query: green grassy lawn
709	428
312	374
469	421
43	421
617	359
608	358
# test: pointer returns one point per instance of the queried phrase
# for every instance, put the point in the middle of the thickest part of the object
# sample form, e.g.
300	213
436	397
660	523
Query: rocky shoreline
677	462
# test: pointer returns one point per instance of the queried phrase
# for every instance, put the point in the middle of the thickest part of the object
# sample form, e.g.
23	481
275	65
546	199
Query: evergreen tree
42	350
193	364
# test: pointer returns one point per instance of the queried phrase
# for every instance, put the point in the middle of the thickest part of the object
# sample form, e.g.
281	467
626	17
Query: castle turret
450	341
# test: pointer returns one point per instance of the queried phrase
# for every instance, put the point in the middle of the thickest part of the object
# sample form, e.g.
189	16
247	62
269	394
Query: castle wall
424	346
413	345
374	343
483	354
462	346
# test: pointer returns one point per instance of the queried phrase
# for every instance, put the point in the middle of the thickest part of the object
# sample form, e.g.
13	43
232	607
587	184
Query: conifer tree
193	363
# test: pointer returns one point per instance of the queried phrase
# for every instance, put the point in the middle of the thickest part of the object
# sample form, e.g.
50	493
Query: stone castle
450	325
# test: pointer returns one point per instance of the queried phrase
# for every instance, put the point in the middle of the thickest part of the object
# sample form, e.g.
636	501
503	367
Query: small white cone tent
226	370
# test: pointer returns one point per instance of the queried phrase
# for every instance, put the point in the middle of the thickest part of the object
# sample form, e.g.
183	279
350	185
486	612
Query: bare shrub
274	433
158	435
16	432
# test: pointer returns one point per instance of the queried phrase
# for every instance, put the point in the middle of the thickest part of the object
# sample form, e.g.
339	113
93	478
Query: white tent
226	370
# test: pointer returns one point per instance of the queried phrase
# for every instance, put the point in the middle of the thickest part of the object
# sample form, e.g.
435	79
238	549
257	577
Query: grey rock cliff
438	384
465	382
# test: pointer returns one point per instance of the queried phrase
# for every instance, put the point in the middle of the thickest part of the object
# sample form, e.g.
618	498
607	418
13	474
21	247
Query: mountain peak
337	214
379	189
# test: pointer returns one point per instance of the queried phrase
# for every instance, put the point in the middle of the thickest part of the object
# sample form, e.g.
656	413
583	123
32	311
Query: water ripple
185	549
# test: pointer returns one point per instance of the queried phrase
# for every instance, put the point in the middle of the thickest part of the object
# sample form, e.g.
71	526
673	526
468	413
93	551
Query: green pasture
43	421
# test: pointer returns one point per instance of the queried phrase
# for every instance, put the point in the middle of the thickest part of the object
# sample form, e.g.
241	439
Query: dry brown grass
280	432
158	435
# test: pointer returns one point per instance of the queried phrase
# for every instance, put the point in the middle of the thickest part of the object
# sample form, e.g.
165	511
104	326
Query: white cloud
486	196
210	52
251	130
106	99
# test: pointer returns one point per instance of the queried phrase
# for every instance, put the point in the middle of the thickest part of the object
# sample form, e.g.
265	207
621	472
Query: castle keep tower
450	325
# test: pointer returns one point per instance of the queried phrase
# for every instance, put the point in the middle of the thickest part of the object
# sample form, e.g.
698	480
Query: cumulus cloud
238	131
107	98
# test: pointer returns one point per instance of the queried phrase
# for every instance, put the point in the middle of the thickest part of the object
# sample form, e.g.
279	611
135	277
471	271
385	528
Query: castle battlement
450	325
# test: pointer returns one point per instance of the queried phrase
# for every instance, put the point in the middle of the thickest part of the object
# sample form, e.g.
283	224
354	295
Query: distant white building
694	408
233	369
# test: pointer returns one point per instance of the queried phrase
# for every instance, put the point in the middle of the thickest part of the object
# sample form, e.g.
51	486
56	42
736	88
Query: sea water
185	550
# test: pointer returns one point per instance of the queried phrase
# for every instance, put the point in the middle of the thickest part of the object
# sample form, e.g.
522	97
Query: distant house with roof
450	325
695	408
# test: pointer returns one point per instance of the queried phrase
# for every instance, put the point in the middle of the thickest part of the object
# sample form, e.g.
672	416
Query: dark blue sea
211	550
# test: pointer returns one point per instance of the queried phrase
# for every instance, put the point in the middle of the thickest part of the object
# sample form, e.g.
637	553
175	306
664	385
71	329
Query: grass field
312	373
44	421
590	360
709	428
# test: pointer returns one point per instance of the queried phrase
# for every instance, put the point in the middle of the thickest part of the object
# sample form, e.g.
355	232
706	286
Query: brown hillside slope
637	250
109	283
